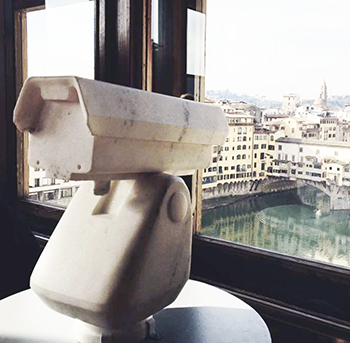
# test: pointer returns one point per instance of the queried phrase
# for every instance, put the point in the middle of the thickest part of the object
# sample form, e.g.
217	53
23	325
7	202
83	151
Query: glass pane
60	41
279	70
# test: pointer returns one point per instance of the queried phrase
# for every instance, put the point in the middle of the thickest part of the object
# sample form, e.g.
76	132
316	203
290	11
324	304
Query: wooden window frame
305	293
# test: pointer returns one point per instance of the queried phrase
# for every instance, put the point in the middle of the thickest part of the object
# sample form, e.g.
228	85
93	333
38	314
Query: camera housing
91	130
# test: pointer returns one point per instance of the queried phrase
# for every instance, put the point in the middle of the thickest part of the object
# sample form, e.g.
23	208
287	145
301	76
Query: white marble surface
201	314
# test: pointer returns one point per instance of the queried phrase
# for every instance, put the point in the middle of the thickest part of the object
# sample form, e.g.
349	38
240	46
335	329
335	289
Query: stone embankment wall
270	185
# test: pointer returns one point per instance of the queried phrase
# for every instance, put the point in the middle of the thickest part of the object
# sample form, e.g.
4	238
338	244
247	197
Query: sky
267	48
61	41
275	47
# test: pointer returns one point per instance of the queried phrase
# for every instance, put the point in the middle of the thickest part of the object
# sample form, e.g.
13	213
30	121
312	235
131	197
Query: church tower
323	94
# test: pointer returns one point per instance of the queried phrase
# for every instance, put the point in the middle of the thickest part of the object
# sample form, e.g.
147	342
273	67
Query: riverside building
246	155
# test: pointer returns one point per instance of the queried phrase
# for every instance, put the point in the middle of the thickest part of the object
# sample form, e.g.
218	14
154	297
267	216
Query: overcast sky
274	47
61	41
256	47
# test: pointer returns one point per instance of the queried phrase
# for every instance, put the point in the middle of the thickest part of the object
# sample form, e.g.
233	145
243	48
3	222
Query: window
53	49
238	147
256	146
263	146
263	284
280	147
66	192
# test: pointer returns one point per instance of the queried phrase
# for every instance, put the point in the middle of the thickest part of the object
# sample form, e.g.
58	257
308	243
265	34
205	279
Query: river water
282	222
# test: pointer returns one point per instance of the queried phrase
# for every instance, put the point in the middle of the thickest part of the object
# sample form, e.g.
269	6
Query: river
282	222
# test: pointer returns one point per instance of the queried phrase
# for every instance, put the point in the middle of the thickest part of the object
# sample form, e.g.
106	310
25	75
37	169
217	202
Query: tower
323	94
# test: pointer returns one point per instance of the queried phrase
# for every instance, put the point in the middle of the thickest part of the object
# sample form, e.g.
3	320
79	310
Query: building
290	103
246	155
233	161
312	160
321	101
230	106
54	191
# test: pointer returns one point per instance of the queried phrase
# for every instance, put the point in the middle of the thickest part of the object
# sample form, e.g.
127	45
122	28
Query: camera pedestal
116	259
88	333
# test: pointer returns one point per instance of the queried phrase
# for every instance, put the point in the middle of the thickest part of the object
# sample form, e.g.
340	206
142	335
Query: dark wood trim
19	5
309	285
169	55
41	239
40	209
282	315
8	170
40	218
21	75
105	39
119	42
147	53
130	43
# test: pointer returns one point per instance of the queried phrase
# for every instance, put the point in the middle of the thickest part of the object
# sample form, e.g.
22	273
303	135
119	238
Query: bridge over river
282	222
339	197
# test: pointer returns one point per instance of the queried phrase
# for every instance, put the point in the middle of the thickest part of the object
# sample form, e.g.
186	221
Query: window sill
312	286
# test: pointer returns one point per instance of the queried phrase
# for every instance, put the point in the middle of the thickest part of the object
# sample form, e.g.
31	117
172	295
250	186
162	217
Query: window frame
130	68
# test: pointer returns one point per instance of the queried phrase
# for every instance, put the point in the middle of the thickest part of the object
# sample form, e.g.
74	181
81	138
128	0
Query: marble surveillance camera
90	130
121	251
